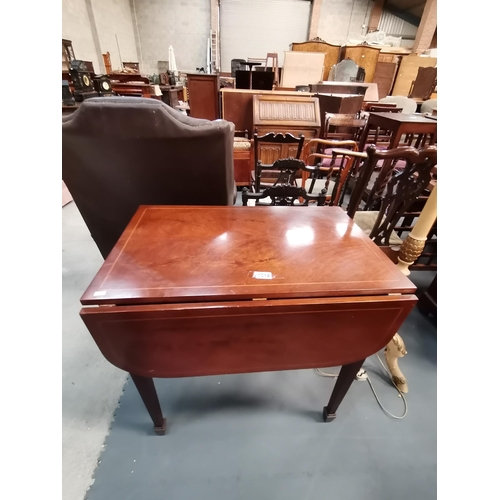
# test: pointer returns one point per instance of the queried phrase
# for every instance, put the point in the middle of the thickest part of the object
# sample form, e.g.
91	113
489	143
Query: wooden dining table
204	290
400	124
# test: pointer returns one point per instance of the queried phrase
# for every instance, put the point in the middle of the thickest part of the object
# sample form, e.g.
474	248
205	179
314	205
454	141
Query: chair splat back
393	192
285	190
287	143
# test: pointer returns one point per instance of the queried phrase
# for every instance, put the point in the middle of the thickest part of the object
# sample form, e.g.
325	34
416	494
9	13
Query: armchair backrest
122	152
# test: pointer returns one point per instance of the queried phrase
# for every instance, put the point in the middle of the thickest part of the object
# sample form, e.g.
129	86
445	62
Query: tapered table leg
346	377
147	391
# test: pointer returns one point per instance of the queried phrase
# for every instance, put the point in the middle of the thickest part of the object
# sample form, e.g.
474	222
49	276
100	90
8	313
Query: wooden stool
274	58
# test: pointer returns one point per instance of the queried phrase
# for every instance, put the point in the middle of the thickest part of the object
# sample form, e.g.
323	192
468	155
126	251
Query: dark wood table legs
147	391
345	379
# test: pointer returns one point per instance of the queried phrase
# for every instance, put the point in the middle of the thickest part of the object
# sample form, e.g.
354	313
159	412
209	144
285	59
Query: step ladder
214	52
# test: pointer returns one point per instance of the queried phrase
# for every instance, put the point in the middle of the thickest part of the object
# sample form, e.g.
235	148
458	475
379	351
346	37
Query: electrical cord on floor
362	375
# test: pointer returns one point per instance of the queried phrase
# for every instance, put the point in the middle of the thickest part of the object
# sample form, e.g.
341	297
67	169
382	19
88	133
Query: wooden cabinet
203	96
363	55
332	52
384	77
286	114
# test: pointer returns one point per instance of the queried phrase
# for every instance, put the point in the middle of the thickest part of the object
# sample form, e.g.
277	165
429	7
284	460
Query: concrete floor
91	387
239	436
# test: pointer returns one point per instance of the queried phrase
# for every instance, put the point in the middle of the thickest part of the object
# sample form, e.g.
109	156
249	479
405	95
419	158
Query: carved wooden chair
285	190
324	159
267	149
343	127
379	209
339	104
382	203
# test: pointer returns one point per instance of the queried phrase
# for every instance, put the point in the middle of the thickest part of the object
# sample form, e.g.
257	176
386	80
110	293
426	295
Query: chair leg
396	349
313	181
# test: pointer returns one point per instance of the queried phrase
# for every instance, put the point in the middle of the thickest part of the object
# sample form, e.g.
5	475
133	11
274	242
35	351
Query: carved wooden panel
285	110
290	111
269	153
292	151
332	52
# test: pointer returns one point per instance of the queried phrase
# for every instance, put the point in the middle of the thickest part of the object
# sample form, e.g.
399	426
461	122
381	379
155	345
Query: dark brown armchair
122	152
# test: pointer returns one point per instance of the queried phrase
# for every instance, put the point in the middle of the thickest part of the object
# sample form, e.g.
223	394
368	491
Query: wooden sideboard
332	52
203	96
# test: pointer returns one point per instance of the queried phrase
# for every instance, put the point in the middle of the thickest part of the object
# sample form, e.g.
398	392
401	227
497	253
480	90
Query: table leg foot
345	379
326	416
161	430
147	391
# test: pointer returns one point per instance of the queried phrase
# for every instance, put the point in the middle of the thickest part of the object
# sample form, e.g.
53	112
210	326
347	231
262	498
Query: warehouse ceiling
408	10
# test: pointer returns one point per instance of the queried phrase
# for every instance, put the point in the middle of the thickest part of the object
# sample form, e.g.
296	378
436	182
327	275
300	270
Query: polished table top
404	117
195	253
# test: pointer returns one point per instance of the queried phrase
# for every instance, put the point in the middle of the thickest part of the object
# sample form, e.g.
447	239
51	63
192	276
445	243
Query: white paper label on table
260	275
